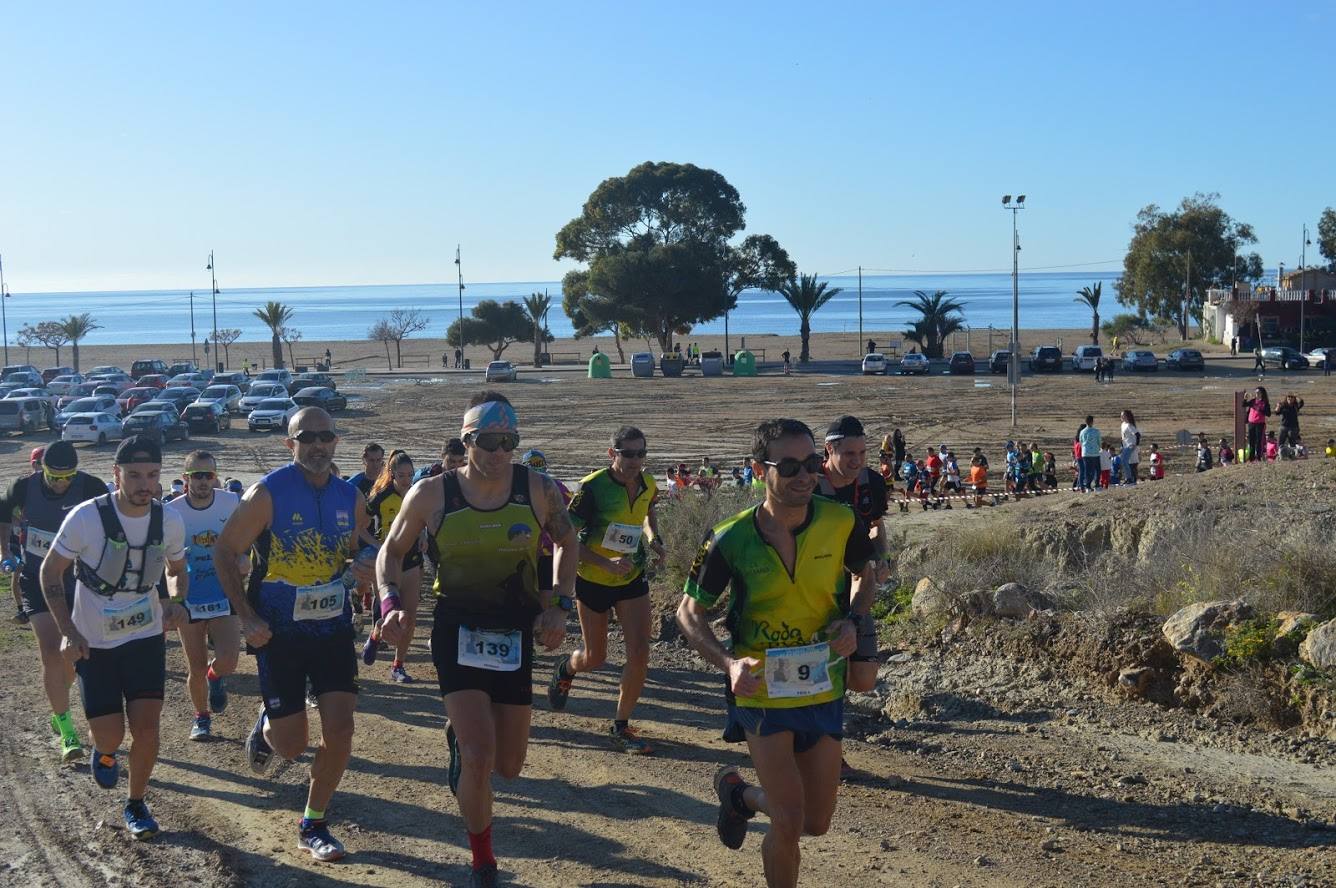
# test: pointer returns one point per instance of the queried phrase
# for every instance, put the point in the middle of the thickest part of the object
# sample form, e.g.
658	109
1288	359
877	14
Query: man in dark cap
43	499
119	545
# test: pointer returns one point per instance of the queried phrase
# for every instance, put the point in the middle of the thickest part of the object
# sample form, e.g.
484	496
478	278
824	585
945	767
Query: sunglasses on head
202	476
310	437
494	441
633	454
788	466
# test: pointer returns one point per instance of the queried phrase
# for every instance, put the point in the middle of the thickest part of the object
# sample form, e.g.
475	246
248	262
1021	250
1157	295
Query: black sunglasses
492	441
202	476
788	466
633	454
310	437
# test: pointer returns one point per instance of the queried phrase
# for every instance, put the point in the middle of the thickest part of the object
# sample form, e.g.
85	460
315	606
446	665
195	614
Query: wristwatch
566	603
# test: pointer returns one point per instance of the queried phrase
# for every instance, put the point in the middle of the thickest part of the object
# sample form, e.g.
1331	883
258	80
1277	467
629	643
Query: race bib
38	542
624	538
118	622
498	651
319	602
208	610
798	671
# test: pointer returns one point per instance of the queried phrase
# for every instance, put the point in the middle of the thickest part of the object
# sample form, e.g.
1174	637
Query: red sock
213	676
481	846
397	664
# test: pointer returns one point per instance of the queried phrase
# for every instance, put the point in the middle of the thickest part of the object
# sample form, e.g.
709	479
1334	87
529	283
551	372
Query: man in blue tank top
300	523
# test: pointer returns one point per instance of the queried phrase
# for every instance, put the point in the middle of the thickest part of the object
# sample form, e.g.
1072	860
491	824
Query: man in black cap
119	544
43	499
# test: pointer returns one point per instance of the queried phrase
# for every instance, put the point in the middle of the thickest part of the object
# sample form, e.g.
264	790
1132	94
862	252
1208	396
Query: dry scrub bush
684	523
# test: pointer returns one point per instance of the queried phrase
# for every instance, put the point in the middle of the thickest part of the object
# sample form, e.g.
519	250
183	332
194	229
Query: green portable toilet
744	363
599	366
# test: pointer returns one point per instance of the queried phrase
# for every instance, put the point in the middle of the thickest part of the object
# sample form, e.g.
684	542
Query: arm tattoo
558	522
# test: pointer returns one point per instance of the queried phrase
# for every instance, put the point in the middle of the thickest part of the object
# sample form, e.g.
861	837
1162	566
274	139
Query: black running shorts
600	598
112	677
33	600
508	688
286	662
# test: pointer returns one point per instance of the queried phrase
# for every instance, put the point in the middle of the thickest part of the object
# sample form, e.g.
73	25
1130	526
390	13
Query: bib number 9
798	671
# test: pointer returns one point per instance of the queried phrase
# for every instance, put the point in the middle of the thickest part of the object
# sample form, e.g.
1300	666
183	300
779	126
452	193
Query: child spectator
1050	470
952	470
933	468
1225	453
925	483
1272	446
1116	473
978	481
1331	448
1105	465
1156	463
909	471
1204	461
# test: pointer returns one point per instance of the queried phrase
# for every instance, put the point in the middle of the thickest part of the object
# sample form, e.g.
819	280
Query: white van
1084	357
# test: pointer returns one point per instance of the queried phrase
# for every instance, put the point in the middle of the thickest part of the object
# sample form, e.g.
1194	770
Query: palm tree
537	306
275	316
938	318
805	295
76	327
1090	296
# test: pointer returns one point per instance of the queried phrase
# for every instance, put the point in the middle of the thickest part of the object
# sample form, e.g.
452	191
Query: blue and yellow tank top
303	553
487	572
611	523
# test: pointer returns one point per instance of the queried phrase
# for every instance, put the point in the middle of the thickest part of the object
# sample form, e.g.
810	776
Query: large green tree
1326	237
939	317
658	259
275	316
495	325
806	295
1089	296
1174	257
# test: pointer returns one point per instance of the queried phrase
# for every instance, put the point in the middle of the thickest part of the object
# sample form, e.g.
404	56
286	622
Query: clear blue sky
327	143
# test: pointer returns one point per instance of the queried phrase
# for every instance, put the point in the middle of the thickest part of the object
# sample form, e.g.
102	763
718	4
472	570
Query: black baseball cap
60	456
138	449
845	427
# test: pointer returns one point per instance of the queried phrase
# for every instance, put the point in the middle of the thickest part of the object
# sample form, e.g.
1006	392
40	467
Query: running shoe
105	769
312	701
20	618
629	741
217	695
484	877
847	771
314	836
139	821
369	649
456	763
559	688
201	729
258	752
732	825
71	750
397	674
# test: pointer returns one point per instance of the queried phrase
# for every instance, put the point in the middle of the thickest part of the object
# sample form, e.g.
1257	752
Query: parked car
18	368
179	396
278	375
83	389
105	370
1046	358
61	385
7	387
1319	357
1084	357
500	371
207	416
227	395
1184	359
51	373
33	393
998	361
97	428
961	364
90	404
156	380
132	398
873	364
1284	357
272	413
162	425
261	391
319	396
914	363
1141	359
313	380
179	367
240	380
102	388
198	380
26	414
28	378
121	381
143	368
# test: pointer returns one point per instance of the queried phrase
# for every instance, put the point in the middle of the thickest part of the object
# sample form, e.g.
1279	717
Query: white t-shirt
109	622
1130	433
1105	461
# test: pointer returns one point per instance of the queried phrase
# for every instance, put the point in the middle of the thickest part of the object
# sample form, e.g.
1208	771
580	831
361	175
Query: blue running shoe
314	836
105	769
139	821
201	729
217	696
258	752
370	648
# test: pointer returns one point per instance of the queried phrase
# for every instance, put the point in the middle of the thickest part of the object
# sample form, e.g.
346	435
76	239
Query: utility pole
1303	285
860	310
459	273
194	357
4	320
1014	363
213	277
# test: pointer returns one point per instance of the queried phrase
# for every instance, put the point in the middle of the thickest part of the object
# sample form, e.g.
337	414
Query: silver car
1140	359
227	395
260	391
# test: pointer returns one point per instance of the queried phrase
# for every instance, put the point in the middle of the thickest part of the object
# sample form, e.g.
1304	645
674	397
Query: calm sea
325	313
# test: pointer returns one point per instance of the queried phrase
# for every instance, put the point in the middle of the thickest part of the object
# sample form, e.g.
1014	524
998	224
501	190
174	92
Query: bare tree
402	323
225	338
290	335
382	332
50	334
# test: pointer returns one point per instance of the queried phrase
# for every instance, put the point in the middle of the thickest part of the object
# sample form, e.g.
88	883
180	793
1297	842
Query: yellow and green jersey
771	608
383	507
611	522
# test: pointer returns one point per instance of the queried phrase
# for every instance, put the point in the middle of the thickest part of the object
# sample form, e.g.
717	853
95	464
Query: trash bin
744	363
466	364
642	365
711	364
671	365
599	366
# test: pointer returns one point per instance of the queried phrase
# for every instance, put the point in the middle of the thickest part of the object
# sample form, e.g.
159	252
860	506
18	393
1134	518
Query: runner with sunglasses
43	499
204	510
612	510
302	524
485	519
787	561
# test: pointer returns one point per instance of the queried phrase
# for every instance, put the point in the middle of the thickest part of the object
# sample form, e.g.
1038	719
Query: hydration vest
108	577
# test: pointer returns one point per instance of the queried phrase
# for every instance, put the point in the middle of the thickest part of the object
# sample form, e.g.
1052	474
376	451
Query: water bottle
9	565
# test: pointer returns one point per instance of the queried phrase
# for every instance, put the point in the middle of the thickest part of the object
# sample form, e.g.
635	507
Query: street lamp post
459	274
1014	363
4	321
213	279
1303	284
194	356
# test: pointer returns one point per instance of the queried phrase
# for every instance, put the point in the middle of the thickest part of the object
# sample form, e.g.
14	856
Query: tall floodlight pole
4	321
1014	363
860	308
1303	284
194	357
459	274
213	280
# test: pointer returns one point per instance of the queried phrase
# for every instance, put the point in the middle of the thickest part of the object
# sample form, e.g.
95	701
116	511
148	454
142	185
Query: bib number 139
494	650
